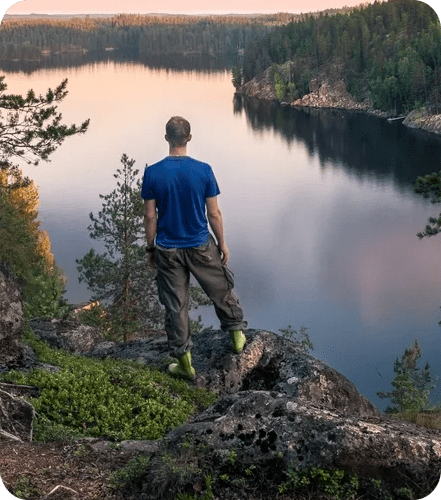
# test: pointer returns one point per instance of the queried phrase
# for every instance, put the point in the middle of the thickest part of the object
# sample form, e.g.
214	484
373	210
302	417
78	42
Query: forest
389	52
30	38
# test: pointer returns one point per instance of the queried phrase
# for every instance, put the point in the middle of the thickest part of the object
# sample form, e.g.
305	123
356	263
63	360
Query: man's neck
178	151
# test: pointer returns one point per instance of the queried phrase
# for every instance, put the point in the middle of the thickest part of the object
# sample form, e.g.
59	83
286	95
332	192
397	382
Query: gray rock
66	334
259	425
279	401
11	320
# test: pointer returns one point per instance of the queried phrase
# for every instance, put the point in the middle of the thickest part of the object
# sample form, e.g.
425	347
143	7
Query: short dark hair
178	131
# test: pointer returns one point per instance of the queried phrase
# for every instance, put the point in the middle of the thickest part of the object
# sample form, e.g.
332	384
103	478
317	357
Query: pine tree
430	187
31	129
31	126
120	278
411	384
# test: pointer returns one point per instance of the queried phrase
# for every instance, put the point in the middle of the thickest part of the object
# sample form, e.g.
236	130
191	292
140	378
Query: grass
430	419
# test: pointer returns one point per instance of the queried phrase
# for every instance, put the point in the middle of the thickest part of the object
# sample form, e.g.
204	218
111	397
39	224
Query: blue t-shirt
180	185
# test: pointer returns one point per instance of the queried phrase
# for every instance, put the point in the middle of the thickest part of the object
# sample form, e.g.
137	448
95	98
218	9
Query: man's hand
225	253
151	263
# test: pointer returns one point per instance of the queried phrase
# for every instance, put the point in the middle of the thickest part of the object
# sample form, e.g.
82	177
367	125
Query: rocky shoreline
325	92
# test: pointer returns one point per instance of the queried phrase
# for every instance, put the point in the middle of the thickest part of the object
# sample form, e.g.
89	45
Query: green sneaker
183	367
238	340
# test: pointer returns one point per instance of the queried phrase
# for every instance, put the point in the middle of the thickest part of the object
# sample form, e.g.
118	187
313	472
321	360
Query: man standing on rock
180	194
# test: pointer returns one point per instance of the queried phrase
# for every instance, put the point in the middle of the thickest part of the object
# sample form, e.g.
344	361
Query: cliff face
259	87
323	93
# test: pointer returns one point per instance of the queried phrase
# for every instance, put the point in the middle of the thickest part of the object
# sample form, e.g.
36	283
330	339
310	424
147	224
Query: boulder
69	335
280	408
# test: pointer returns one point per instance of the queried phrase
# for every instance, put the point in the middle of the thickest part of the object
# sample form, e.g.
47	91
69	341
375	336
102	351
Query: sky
177	6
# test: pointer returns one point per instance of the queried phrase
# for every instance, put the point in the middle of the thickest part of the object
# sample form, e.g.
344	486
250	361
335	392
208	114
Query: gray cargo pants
204	263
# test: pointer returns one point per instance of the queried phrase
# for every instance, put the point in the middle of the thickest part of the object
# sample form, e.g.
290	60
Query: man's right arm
215	220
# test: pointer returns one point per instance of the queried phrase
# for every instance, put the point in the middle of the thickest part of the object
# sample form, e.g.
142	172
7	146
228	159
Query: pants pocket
166	257
203	254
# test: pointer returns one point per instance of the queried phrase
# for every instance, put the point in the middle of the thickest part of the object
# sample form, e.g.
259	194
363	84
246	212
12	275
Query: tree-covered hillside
387	51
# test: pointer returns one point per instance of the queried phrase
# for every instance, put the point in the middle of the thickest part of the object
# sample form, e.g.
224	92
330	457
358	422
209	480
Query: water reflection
180	63
364	145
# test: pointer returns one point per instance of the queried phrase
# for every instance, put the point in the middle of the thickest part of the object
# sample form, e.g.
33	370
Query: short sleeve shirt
180	186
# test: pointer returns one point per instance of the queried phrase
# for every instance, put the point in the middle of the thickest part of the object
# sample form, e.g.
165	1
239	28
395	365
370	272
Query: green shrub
43	294
335	484
111	398
132	472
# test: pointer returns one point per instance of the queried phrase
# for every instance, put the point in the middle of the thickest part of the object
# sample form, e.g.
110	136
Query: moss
111	398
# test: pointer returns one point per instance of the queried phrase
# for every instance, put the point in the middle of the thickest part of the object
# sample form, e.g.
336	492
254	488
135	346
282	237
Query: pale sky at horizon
177	6
174	6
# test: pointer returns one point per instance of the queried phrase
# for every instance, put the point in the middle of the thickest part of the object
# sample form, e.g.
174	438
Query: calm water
319	209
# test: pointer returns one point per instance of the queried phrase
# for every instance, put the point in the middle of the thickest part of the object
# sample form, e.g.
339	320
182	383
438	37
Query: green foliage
23	488
30	130
335	484
208	495
301	338
110	398
31	127
284	87
236	76
146	34
389	52
120	277
43	294
429	186
279	87
411	384
134	470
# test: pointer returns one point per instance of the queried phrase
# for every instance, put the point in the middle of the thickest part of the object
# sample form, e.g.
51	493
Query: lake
319	208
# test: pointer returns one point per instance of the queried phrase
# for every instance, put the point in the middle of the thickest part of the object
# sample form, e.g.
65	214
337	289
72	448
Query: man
180	194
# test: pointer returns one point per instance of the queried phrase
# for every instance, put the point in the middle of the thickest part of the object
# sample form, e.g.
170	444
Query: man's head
177	131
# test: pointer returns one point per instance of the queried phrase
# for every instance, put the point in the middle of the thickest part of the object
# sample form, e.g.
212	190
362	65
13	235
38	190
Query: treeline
29	38
389	52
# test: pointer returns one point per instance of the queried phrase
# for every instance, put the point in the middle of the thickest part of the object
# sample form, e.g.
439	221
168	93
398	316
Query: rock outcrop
278	401
323	93
260	87
68	335
424	119
326	92
279	409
